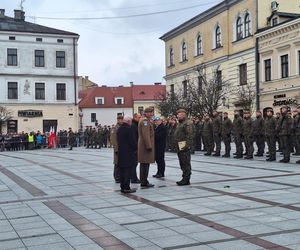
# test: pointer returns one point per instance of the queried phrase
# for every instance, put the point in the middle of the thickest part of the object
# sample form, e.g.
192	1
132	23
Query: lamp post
80	117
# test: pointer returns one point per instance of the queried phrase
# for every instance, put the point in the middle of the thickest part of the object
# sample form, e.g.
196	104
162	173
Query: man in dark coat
71	139
270	132
126	154
258	133
160	132
217	129
226	134
135	131
237	129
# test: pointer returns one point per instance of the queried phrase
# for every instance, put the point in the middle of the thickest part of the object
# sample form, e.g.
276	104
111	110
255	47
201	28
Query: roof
148	92
292	18
202	17
284	14
109	94
13	25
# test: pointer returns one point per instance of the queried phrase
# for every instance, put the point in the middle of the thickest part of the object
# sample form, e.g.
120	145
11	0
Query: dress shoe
238	157
128	191
148	185
183	182
155	175
160	176
137	181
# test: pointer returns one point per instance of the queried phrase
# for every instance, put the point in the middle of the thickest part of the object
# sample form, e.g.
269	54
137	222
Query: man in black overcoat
126	154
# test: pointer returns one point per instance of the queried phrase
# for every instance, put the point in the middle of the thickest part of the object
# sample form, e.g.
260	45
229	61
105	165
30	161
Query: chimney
86	77
131	84
19	15
2	13
157	83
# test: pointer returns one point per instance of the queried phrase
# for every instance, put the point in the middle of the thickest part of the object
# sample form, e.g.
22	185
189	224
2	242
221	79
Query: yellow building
279	64
221	38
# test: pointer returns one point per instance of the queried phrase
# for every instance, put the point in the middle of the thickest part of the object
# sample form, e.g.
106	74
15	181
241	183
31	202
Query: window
219	79
39	39
61	91
218	37
100	100
247	25
199	45
184	84
12	90
284	66
40	91
239	29
119	100
12	38
268	68
39	58
171	55
60	40
60	59
184	52
274	21
93	117
12	57
243	74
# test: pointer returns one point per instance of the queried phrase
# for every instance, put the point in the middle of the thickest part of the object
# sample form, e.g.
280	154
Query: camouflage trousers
185	164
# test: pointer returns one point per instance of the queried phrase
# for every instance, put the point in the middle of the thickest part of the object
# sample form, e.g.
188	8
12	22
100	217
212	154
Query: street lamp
80	116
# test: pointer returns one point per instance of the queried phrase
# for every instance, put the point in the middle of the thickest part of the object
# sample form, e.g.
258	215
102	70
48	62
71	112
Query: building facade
221	41
279	64
38	75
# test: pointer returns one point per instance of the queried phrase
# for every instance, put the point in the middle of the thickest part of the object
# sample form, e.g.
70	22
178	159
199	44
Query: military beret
156	118
148	110
181	111
270	109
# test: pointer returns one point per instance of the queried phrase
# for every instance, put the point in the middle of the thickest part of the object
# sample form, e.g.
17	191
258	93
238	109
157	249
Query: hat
120	117
156	118
148	110
181	111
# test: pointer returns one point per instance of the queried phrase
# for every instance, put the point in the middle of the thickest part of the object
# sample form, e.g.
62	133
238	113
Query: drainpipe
74	71
257	60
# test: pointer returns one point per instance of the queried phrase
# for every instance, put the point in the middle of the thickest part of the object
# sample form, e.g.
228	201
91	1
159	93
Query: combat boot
183	182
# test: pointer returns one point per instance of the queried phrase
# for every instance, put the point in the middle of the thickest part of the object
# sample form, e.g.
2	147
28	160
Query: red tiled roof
109	94
148	92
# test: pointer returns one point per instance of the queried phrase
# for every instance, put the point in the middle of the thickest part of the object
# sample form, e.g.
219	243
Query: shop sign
30	113
287	101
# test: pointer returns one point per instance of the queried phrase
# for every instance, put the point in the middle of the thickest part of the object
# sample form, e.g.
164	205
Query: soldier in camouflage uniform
226	134
71	139
258	133
217	129
208	135
284	131
85	136
184	140
89	137
237	129
296	132
99	137
248	134
270	133
278	115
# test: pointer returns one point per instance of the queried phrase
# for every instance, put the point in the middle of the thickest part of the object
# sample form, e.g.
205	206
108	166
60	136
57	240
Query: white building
38	75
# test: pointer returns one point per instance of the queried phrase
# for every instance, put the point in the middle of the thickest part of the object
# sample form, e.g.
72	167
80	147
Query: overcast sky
115	51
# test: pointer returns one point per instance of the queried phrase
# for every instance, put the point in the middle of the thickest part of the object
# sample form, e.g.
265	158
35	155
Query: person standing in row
146	147
71	139
217	127
184	140
208	140
126	154
226	134
160	145
135	131
270	133
114	141
258	133
248	134
284	131
237	129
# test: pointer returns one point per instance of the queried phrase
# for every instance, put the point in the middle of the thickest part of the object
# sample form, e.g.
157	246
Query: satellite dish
274	6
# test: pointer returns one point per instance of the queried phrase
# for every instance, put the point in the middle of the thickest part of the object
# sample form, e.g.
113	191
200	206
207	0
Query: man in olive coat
114	141
258	133
226	134
146	147
248	134
184	142
270	132
284	131
207	133
217	127
126	154
237	129
71	139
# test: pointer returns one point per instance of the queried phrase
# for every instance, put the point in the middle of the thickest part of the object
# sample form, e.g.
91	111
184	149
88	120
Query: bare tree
245	96
5	115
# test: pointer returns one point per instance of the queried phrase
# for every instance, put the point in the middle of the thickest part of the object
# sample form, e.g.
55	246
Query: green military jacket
248	127
207	128
270	126
285	124
184	132
237	126
217	125
297	124
226	127
259	126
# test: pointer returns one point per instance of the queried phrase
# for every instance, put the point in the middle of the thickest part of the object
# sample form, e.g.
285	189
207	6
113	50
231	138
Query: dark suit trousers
160	161
125	178
144	171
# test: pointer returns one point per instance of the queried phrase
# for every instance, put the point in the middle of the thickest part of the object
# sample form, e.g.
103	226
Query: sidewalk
60	199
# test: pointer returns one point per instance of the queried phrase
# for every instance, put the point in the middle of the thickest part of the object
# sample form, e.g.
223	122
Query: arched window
171	57
198	45
239	29
218	37
184	52
247	25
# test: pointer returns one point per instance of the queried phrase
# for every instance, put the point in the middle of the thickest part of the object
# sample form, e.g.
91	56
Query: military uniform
248	137
296	128
71	139
208	137
258	134
184	134
284	132
237	129
217	129
114	141
226	135
270	133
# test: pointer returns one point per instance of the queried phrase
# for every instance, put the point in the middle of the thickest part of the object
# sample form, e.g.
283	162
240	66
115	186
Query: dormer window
119	100
275	21
99	100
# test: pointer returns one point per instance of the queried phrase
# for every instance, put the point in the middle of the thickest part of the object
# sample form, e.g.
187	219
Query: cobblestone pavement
60	199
